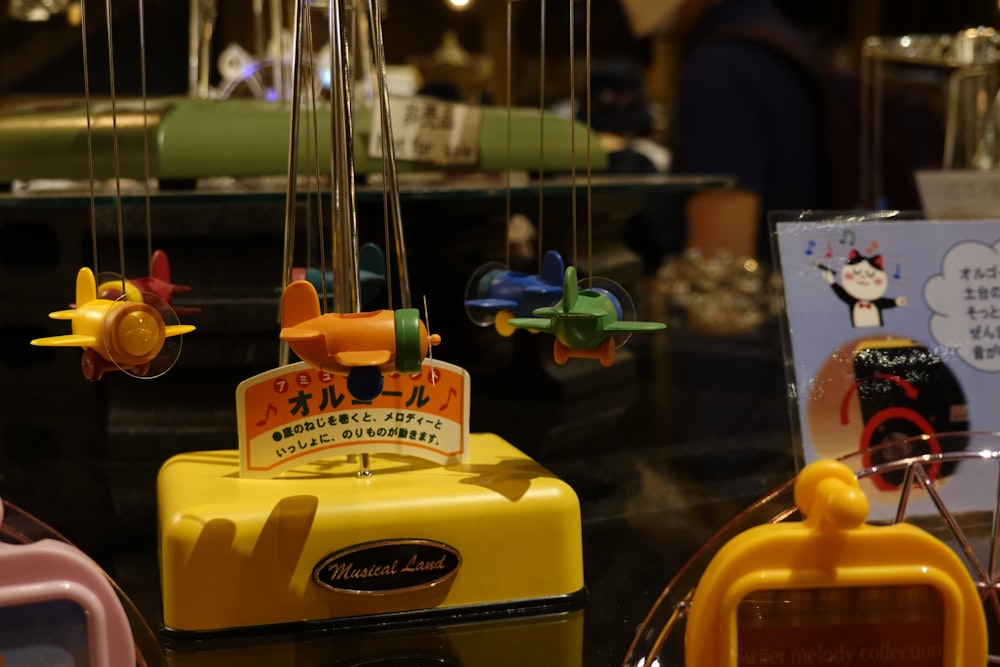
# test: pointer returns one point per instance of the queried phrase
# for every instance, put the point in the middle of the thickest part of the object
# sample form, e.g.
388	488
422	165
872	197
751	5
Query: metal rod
194	44
259	41
389	151
208	13
314	147
293	159
346	292
277	52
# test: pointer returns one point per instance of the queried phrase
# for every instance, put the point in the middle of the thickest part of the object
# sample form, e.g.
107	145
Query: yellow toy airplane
127	334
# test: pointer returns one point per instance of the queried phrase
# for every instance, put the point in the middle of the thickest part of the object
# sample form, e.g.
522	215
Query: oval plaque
388	566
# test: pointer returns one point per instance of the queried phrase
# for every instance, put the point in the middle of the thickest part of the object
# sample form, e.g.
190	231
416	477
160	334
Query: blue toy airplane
497	295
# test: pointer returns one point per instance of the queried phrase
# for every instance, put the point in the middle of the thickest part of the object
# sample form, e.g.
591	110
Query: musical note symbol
829	251
809	248
267	414
848	234
895	276
451	392
872	247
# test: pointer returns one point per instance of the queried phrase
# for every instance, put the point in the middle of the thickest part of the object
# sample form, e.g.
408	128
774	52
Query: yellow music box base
323	545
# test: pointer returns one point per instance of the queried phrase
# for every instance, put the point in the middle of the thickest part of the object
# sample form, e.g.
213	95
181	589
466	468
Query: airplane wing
63	314
298	333
69	340
539	323
633	327
552	312
177	330
491	304
362	358
543	289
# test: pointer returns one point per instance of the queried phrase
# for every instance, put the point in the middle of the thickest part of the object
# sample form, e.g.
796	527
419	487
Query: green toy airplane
584	322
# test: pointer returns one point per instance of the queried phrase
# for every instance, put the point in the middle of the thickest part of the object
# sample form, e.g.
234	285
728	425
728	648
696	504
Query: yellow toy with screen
833	590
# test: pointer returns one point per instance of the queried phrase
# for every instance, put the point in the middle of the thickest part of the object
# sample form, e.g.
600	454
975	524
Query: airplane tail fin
86	286
570	289
160	266
553	268
299	303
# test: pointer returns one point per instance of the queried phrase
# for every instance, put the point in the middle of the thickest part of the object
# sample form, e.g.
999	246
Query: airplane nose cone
138	333
133	334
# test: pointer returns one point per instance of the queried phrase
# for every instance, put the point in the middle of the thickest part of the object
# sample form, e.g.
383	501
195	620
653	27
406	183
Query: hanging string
145	135
510	104
114	145
590	173
541	133
90	133
572	133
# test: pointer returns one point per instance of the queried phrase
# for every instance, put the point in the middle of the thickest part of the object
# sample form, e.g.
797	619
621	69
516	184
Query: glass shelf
425	187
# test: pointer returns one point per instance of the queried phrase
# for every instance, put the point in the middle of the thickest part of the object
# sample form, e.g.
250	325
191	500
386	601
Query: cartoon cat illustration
863	284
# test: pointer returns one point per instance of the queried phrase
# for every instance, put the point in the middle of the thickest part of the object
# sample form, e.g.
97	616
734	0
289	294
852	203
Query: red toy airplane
158	283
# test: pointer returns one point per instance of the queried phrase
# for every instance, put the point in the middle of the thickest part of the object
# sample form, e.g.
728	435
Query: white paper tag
428	130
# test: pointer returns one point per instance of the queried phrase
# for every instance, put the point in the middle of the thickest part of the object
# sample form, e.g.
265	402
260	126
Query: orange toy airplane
362	346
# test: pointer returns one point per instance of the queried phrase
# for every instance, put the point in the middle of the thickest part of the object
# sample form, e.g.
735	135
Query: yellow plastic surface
831	548
238	552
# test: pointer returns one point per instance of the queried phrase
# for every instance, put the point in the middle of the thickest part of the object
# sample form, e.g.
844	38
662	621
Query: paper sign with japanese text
294	414
893	331
429	130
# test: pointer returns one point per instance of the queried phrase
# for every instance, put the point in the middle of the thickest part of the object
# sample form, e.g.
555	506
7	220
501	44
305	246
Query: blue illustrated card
893	330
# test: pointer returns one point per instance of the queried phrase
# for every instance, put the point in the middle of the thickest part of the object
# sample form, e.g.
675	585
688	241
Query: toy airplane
584	322
371	273
159	283
127	334
363	346
496	296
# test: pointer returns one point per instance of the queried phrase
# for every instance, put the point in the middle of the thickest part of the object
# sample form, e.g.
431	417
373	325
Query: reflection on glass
35	10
